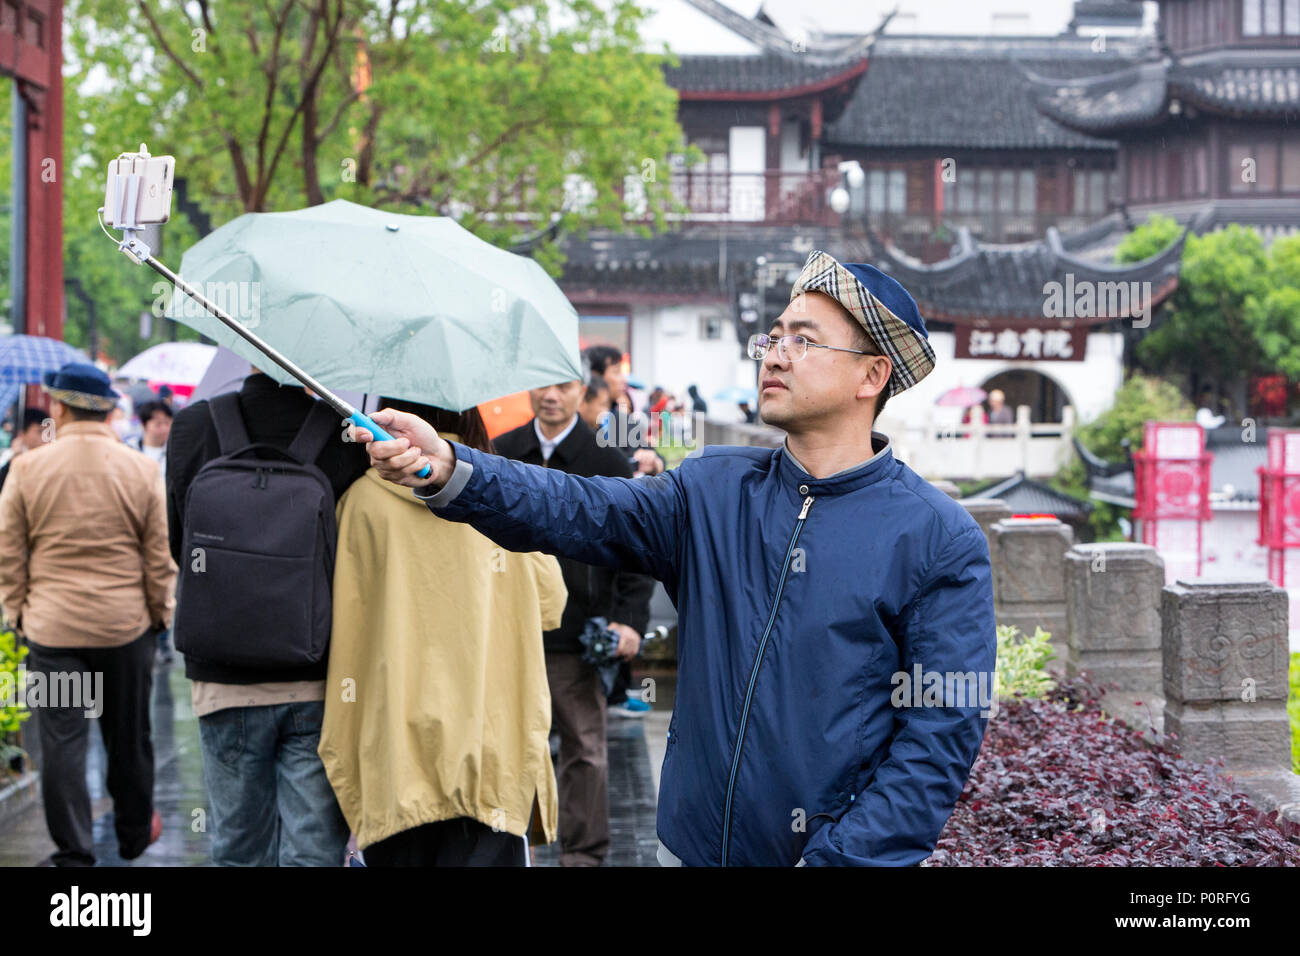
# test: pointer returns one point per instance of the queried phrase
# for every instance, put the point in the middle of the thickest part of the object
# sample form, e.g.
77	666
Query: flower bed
1059	783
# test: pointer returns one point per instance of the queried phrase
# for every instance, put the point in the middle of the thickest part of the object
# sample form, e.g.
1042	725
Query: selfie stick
126	191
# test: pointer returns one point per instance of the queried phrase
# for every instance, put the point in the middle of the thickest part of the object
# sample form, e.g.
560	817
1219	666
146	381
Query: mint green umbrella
414	307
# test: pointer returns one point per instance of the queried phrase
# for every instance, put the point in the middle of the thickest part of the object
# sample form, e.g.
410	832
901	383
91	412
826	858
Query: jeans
270	801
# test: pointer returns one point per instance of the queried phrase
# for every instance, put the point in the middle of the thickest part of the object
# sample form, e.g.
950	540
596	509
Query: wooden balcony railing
775	198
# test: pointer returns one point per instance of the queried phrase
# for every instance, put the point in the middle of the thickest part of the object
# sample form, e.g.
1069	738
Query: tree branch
166	47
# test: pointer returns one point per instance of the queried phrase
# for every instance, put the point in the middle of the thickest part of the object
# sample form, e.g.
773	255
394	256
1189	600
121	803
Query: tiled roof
1026	496
1263	84
690	260
1006	282
960	99
1264	88
761	73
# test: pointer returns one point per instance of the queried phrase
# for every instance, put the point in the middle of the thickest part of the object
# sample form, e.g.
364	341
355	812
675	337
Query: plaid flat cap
881	306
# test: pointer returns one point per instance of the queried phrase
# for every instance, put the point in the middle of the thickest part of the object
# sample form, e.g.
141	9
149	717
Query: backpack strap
231	433
322	422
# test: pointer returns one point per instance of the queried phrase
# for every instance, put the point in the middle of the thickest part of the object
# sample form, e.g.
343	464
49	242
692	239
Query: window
1028	190
897	190
1090	191
984	190
1250	17
1272	17
1007	190
1253	167
1240	164
886	190
710	327
1291	165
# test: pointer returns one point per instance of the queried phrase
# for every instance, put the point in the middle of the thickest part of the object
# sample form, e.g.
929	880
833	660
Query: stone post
947	487
1029	576
1225	672
987	512
1112	610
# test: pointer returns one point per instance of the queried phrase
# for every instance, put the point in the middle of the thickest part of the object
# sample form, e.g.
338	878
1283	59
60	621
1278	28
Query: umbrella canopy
415	307
737	394
24	360
962	397
175	363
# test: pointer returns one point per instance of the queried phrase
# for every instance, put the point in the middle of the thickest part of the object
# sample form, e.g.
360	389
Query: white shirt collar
548	444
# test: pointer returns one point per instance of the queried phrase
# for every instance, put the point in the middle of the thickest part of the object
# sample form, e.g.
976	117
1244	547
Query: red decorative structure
1279	506
31	53
1172	475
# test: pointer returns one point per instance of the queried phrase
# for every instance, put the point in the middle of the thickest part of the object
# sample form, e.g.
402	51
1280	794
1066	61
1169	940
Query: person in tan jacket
86	577
437	708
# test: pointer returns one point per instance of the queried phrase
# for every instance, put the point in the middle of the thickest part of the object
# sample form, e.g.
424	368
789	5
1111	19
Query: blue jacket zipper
753	678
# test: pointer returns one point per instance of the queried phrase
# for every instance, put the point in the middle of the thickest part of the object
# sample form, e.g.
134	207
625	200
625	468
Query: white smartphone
152	195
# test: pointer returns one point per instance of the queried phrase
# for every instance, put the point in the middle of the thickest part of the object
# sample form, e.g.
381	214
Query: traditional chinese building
983	171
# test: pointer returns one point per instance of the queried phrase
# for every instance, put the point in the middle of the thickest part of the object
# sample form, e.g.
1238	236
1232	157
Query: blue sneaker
632	707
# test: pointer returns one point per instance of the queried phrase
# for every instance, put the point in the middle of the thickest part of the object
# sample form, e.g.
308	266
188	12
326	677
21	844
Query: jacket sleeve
612	522
13	549
159	569
948	628
632	600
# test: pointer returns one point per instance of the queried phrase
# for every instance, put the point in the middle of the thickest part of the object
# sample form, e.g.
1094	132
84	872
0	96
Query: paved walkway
179	792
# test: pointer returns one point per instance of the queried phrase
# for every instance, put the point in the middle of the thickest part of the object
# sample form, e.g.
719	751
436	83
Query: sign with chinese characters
1039	343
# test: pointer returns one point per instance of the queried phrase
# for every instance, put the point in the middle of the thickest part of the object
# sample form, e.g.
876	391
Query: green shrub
11	714
1293	709
1142	398
1022	663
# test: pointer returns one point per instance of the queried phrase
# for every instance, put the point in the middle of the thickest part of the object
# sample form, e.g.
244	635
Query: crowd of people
382	636
423	729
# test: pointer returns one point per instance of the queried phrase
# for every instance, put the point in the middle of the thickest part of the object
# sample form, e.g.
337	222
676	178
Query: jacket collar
102	429
875	468
580	437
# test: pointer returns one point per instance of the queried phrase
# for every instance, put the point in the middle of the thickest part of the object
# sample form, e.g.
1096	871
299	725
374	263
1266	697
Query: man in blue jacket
836	638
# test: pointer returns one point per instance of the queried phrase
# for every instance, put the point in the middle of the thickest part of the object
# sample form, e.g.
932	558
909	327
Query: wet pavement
180	798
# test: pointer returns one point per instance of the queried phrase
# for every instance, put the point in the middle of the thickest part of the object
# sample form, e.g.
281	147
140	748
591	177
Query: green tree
1274	314
491	110
1207	327
1140	399
1236	312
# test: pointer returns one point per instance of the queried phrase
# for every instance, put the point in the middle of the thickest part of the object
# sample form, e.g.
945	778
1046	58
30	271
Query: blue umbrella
24	359
737	394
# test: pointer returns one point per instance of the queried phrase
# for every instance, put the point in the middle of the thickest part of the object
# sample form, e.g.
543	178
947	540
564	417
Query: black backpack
257	565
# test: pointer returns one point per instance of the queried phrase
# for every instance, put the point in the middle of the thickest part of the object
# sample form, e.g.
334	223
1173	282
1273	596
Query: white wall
942	17
667	350
1089	385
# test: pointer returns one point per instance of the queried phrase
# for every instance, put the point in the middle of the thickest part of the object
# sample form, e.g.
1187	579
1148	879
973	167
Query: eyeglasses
791	348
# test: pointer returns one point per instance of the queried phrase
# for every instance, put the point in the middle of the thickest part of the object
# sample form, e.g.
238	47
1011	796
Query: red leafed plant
1059	783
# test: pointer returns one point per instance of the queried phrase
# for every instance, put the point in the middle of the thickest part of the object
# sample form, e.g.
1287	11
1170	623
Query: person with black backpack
252	482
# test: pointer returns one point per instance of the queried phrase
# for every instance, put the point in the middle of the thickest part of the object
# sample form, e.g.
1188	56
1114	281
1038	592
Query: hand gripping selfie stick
135	180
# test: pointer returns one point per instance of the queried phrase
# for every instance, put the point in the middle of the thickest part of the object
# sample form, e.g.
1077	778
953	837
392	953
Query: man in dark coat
558	438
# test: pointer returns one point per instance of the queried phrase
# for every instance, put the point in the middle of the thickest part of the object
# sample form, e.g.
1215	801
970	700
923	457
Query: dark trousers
578	714
122	698
622	683
458	842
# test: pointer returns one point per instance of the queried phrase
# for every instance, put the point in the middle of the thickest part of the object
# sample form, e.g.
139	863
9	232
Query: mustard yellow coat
437	704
